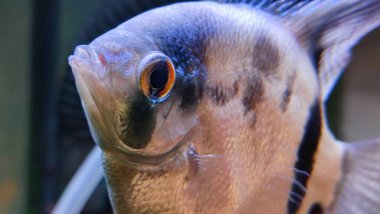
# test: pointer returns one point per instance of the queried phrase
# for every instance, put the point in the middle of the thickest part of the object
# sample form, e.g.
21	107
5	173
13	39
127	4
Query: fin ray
359	188
328	29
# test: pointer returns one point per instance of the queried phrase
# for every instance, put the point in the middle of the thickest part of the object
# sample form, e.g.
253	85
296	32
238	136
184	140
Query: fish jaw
91	79
87	69
110	94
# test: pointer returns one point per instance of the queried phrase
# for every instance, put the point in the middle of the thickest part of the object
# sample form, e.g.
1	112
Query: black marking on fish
286	95
305	155
266	56
253	94
191	91
253	120
316	54
140	121
186	49
316	208
192	86
221	95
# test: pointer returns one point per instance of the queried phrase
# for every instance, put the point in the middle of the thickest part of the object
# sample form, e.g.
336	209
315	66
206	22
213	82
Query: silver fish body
240	130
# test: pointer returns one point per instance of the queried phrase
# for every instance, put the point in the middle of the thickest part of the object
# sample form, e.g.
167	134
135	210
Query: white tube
82	185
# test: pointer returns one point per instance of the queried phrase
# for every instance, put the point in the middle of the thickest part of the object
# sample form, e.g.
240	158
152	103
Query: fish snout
87	61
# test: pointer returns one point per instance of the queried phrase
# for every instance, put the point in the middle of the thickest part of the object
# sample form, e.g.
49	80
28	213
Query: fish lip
86	60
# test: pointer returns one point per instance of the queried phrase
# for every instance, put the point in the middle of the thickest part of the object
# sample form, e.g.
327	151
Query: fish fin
329	29
279	8
359	188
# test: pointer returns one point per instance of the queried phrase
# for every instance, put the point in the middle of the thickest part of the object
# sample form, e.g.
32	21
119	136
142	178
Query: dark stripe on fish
138	123
287	93
266	56
191	91
221	95
253	93
265	59
316	208
186	50
306	152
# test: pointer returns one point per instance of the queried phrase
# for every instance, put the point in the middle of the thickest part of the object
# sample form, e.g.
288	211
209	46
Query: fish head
126	86
140	107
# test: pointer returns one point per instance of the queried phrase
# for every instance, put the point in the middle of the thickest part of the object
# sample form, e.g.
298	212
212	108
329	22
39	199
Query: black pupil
159	76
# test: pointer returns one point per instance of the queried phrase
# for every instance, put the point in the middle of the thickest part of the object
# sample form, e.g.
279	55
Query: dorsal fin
328	29
280	8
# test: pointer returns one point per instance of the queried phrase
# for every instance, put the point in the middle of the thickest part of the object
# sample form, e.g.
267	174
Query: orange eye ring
157	76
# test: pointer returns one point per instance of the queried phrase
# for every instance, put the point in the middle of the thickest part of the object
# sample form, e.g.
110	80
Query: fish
219	107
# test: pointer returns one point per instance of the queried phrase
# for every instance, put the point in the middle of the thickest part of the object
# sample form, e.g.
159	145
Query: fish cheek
137	123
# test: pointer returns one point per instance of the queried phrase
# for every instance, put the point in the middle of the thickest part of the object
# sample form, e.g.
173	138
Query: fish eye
157	76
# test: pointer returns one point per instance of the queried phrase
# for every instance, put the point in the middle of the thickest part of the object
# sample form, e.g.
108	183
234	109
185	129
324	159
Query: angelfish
209	107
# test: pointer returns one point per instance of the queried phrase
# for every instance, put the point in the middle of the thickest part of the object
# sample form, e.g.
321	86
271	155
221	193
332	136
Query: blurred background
43	132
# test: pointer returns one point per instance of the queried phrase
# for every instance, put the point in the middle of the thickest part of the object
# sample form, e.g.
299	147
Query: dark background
43	134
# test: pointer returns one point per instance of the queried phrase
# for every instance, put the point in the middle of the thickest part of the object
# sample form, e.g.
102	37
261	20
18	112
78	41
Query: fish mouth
91	80
85	59
88	71
81	65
